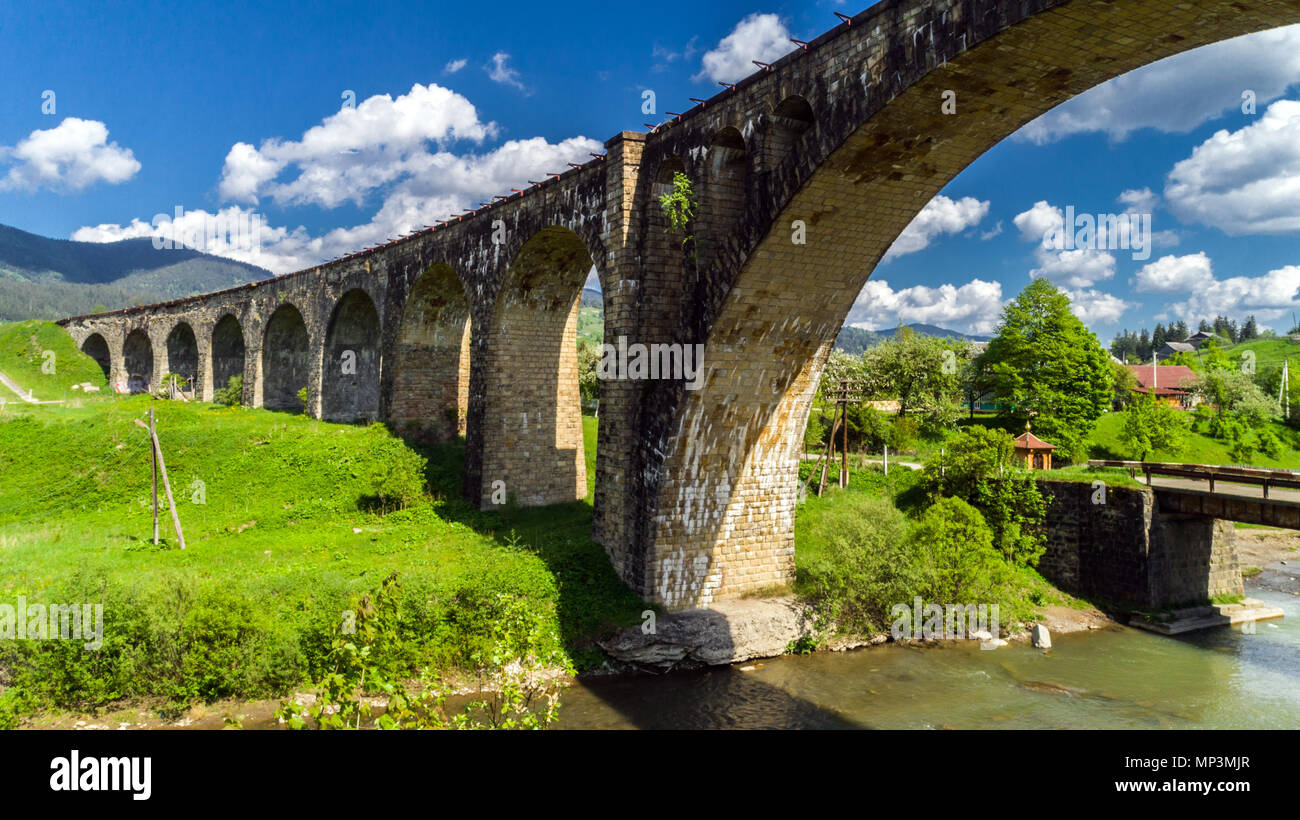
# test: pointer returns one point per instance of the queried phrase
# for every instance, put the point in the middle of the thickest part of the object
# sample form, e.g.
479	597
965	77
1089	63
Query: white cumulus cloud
1245	181
1175	274
72	156
353	151
940	215
974	307
1271	296
397	151
761	37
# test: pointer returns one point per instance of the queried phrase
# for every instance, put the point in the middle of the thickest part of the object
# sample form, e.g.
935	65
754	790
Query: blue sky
240	107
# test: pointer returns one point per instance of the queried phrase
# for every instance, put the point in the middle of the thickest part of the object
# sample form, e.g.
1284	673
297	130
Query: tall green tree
1048	368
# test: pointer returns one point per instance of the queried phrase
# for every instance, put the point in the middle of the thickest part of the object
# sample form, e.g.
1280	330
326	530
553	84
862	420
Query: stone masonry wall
1126	552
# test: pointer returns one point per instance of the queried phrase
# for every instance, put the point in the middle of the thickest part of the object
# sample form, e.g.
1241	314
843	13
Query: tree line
1141	346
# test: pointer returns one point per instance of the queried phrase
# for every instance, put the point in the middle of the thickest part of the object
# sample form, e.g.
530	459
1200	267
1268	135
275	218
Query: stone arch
183	356
97	348
790	119
137	358
431	360
286	365
227	351
725	487
350	367
532	414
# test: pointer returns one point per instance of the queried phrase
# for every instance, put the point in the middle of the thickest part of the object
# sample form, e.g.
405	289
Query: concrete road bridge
806	172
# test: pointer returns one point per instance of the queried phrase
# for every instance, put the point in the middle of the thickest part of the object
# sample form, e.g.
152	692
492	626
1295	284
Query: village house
1170	348
1199	338
1171	384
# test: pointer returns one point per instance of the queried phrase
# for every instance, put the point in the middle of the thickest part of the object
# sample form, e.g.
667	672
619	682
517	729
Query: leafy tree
916	370
978	466
1125	382
1046	366
1183	358
1228	389
588	364
1149	426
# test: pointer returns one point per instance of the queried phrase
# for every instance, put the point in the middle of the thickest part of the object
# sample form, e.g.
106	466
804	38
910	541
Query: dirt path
27	397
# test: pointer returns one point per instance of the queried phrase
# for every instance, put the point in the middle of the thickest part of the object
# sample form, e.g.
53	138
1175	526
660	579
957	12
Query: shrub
230	395
865	565
965	566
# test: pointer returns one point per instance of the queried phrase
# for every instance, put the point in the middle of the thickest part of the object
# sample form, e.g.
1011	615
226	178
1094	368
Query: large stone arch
351	360
431	360
227	350
723	460
286	362
96	347
532	417
137	361
183	356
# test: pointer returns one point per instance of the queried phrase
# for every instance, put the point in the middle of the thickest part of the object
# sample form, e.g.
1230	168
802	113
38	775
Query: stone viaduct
469	326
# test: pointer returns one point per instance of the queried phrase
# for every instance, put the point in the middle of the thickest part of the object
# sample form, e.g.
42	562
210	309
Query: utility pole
153	463
1284	391
160	464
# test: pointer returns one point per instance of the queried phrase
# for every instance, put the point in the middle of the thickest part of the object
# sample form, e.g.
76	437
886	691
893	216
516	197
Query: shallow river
1118	678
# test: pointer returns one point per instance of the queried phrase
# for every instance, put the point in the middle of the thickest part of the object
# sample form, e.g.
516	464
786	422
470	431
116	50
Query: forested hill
42	278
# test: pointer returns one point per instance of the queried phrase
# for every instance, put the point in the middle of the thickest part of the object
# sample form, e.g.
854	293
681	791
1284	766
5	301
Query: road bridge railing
1207	472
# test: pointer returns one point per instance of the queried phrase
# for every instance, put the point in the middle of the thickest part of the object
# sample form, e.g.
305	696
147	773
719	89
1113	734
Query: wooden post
153	463
167	484
830	447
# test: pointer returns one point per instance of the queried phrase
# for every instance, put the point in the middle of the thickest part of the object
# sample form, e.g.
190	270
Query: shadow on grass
592	600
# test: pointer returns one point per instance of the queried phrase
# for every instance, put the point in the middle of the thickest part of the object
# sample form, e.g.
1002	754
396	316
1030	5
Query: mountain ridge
44	278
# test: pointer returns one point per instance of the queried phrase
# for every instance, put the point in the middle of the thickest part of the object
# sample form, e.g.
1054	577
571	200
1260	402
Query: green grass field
1197	448
286	521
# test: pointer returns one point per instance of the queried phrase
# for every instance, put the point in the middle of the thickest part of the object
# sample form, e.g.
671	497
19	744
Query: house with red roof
1171	384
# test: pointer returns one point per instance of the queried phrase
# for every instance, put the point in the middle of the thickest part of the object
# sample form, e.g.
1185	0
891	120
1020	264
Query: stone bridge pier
804	174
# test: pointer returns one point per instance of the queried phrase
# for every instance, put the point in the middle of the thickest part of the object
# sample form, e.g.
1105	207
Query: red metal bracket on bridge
764	66
799	43
848	21
599	156
703	103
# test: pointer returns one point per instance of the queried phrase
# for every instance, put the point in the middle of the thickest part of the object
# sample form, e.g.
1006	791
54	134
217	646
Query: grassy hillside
286	519
1268	352
1197	448
23	358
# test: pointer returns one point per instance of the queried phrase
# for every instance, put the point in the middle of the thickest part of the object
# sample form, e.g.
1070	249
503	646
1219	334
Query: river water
1115	678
